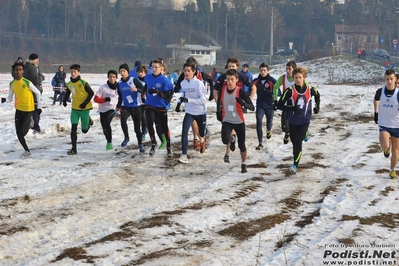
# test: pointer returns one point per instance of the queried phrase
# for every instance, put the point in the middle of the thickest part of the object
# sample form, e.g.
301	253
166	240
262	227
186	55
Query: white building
204	54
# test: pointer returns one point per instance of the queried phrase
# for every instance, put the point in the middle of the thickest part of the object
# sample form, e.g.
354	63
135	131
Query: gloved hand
316	109
143	100
152	91
107	99
183	99
295	108
64	103
240	101
178	107
3	100
376	117
39	111
82	106
275	105
219	115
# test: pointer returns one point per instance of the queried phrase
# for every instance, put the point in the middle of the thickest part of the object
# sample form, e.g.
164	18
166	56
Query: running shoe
286	138
202	147
141	148
183	158
124	142
259	147
268	134
233	143
293	169
152	150
243	168
387	152
170	154
197	145
25	154
307	136
393	175
226	158
109	146
72	152
207	133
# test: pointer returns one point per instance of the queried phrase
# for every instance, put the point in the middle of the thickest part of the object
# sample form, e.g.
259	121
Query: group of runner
146	98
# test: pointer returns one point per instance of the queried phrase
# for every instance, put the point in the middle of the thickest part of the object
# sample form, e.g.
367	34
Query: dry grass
334	186
386	191
388	220
12	230
347	241
292	202
75	254
373	148
245	230
307	219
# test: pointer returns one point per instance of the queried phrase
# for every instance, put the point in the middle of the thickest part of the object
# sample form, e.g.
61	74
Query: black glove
240	101
3	100
82	106
143	100
107	99
152	91
219	115
316	109
64	103
376	117
183	100
178	107
275	105
39	111
295	108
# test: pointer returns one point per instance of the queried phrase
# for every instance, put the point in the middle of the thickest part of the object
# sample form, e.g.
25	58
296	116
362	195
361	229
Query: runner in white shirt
194	97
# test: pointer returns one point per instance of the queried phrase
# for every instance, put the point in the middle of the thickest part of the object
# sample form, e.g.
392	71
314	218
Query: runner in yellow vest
23	90
82	94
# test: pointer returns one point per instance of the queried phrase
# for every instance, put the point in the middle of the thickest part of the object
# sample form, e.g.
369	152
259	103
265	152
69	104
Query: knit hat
124	66
245	65
33	56
137	63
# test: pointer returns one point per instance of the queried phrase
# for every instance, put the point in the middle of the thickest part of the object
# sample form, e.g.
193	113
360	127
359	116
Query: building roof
194	47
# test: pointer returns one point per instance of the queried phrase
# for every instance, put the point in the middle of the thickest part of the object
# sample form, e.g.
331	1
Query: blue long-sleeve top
164	89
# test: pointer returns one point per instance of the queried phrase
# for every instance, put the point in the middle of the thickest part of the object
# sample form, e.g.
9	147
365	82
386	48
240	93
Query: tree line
99	31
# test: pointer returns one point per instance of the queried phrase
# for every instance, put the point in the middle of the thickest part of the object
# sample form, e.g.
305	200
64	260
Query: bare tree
240	8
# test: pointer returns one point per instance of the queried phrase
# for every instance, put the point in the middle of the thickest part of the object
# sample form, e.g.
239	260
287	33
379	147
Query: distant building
349	38
204	54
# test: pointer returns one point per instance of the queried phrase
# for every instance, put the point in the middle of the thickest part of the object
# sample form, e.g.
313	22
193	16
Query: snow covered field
121	208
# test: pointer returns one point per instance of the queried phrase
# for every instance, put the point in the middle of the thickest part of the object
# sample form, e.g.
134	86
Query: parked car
381	53
288	52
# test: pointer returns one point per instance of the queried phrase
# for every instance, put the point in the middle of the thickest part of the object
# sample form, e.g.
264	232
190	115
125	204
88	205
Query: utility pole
101	23
225	33
271	36
342	36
